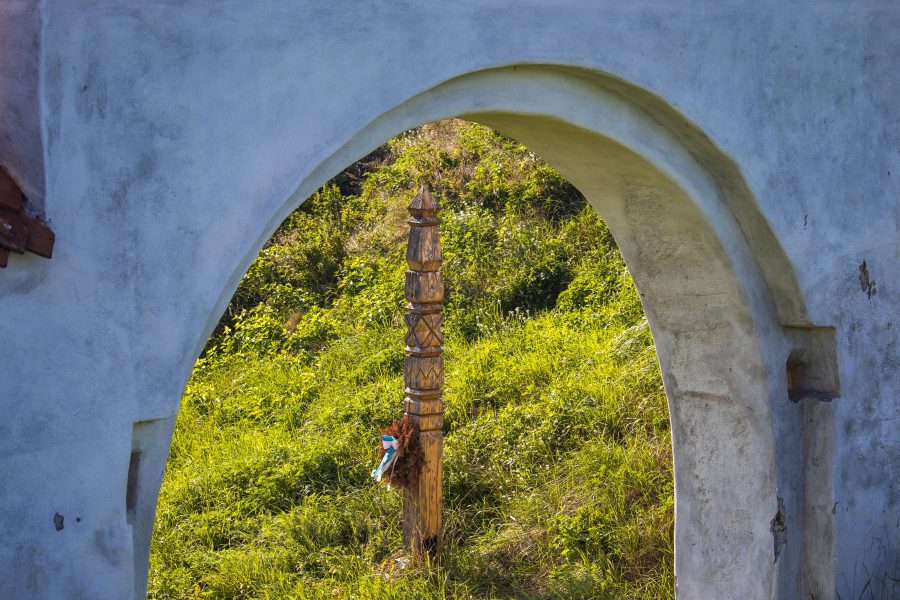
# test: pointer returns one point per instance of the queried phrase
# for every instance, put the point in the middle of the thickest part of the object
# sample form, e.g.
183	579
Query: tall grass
557	458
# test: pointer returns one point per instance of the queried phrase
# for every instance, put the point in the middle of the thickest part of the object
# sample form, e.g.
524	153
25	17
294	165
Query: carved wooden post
424	374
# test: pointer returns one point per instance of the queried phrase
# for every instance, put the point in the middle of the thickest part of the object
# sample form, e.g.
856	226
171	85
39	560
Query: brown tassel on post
407	467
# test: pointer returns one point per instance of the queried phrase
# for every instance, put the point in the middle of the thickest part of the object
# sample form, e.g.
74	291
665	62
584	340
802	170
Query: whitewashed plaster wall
746	157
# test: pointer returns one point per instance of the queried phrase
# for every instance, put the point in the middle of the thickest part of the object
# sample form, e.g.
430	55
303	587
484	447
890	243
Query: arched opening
558	456
714	284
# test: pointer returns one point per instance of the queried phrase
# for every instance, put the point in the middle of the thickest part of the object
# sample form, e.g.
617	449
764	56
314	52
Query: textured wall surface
745	156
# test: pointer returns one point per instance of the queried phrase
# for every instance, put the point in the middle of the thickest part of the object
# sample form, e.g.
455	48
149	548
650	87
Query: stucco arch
700	252
163	142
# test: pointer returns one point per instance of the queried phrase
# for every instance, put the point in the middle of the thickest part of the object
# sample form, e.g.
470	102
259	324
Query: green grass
557	461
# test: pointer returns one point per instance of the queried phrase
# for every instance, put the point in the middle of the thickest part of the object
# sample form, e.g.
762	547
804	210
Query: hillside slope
558	477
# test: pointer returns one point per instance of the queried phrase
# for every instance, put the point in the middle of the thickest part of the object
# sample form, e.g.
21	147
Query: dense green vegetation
558	475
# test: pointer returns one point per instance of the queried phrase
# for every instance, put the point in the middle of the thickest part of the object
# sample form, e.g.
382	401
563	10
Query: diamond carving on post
424	331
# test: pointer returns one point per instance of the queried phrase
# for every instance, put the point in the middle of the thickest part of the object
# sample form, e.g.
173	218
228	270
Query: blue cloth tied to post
389	443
